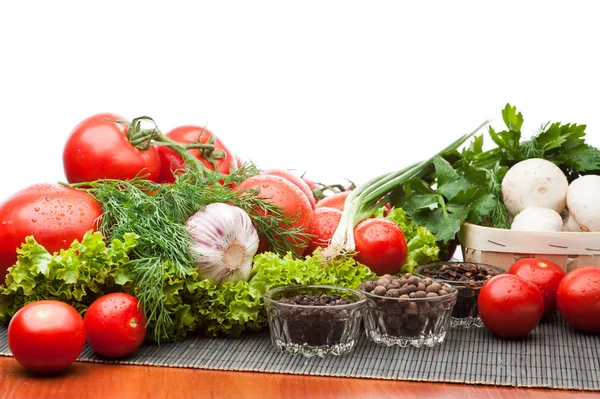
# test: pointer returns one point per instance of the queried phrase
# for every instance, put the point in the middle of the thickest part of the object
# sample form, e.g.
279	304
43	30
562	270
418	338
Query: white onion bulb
224	242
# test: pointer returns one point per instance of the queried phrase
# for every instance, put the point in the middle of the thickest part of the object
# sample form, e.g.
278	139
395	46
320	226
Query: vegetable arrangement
183	244
180	236
476	186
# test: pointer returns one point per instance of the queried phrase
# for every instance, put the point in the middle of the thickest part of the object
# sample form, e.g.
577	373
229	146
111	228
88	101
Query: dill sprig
157	213
498	217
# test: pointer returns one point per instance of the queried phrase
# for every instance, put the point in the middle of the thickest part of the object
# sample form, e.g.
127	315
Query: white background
337	88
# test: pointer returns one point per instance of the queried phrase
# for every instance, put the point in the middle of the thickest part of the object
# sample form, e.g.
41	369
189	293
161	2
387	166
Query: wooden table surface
108	381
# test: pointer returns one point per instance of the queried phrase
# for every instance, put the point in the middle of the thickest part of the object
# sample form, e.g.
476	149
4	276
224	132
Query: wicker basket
502	247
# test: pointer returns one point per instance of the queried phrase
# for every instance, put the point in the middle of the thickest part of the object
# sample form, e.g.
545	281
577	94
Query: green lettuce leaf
422	245
77	275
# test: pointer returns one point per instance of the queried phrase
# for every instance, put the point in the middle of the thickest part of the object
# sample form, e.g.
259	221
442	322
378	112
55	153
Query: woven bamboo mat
552	356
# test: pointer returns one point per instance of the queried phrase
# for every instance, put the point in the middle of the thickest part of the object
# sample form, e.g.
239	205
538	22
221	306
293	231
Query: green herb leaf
512	119
462	194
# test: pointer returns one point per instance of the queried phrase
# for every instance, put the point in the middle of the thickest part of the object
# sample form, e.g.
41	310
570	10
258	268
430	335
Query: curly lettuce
78	275
230	308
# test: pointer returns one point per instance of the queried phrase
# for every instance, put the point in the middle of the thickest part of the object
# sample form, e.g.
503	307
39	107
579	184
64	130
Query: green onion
368	197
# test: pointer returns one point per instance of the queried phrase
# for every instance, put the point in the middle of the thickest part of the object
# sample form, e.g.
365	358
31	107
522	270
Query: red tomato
46	336
55	215
171	161
291	199
286	174
510	306
578	299
115	326
381	246
99	149
326	221
544	275
334	201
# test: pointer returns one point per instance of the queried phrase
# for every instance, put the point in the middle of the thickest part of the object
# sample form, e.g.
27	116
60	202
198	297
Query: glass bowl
315	320
408	321
456	274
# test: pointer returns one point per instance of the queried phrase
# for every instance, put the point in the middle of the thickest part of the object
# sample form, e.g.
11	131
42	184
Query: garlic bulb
224	242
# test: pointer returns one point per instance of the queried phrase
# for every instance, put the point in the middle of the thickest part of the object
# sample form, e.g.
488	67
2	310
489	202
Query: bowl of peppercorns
407	310
314	320
467	278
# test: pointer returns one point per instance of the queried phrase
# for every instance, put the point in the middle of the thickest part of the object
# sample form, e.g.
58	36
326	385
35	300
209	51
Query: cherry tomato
293	202
334	201
99	149
298	181
543	274
171	161
326	222
115	326
381	246
578	298
510	306
46	336
55	215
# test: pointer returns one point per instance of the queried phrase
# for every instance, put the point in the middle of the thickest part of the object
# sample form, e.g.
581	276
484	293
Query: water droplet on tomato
34	220
37	209
48	199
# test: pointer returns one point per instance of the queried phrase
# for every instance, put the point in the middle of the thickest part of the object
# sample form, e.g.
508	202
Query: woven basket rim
492	239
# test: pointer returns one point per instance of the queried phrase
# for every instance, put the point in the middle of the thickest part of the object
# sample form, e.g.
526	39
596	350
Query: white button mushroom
534	182
537	219
569	223
583	201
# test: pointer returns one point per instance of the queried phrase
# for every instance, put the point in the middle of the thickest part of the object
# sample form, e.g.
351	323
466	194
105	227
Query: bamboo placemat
552	356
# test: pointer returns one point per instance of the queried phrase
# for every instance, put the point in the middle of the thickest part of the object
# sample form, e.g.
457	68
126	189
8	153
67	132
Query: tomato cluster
48	336
511	305
105	146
